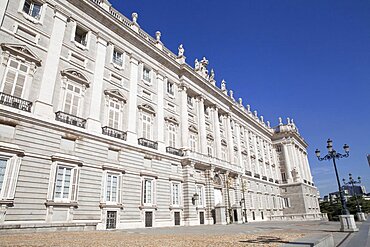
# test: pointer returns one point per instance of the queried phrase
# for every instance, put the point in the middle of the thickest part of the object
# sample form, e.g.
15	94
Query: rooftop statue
223	86
212	76
196	64
181	51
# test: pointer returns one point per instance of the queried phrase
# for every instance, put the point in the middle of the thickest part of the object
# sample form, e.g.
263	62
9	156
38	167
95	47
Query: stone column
189	189
217	132
308	168
132	100
256	154
44	103
237	129
93	120
263	158
209	191
288	167
202	125
248	149
160	112
230	143
184	117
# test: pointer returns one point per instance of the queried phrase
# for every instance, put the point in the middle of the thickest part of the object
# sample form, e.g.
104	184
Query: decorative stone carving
280	121
22	51
223	142
75	76
134	16
172	120
212	77
201	67
181	51
255	113
232	94
158	36
196	64
240	100
115	93
223	87
147	108
268	124
210	137
248	108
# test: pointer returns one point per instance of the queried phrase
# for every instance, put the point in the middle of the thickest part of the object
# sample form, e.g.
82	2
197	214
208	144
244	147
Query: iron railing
147	143
264	178
271	180
175	151
70	119
257	176
15	102
114	133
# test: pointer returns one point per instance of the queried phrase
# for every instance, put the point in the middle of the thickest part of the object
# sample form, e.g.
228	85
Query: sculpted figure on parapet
181	51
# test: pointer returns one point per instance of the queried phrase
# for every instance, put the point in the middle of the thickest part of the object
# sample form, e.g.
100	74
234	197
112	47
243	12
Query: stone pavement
251	234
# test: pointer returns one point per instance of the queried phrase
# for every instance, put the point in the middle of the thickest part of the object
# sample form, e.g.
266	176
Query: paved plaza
251	234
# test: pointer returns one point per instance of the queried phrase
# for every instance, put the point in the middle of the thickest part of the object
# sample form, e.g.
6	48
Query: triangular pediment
147	108
22	51
210	137
193	128
172	120
115	93
76	76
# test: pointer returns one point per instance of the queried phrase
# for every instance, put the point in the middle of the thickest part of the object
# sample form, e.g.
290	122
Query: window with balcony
115	101
193	139
172	135
32	8
15	78
190	101
117	58
147	126
114	116
72	99
170	88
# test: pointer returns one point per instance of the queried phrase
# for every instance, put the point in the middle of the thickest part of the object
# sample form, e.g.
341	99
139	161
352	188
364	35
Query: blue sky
308	60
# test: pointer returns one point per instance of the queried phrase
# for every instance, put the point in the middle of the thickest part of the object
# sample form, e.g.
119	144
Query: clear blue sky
304	59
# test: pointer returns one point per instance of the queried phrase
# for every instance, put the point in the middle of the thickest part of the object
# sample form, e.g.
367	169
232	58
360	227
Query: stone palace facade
101	126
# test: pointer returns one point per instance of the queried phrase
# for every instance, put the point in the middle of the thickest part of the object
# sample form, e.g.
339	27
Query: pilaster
288	166
132	101
184	117
237	129
93	120
202	125
160	112
217	132
230	143
189	189
44	103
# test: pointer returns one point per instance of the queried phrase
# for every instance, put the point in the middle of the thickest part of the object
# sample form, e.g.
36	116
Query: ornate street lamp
333	155
352	182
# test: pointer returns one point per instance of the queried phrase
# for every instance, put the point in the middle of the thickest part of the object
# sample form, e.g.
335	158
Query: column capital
61	14
134	59
183	86
101	39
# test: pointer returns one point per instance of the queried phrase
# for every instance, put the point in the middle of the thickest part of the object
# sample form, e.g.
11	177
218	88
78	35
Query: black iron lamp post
352	182
333	155
242	201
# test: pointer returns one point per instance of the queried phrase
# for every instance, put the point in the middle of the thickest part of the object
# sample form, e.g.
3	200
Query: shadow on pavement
269	239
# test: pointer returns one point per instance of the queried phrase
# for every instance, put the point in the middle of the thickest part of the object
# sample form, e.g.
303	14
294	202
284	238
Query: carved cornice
147	108
117	94
75	76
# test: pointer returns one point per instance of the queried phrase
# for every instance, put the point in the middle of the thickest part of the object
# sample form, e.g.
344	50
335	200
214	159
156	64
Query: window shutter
76	173
13	172
75	104
18	89
9	81
119	189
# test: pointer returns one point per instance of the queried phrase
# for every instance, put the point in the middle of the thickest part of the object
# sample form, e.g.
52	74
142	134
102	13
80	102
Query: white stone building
101	126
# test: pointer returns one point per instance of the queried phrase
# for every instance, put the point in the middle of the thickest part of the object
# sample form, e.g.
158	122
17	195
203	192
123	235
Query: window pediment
223	142
147	108
76	76
210	137
22	51
171	120
193	128
117	94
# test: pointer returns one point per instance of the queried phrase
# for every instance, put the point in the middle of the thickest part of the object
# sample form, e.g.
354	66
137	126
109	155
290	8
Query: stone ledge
37	227
316	240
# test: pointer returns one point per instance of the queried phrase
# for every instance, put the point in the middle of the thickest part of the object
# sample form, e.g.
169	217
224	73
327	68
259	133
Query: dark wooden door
148	219
177	218
201	218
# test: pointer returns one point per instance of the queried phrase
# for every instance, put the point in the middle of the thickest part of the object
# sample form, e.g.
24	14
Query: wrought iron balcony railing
257	176
70	119
264	178
114	133
147	143
271	180
276	181
248	173
174	151
15	102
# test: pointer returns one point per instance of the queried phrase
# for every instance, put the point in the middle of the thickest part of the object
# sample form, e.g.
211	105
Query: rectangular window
190	101
72	99
66	183
200	192
148	191
117	58
210	148
111	188
147	126
175	194
224	152
114	114
170	88
193	142
172	135
2	172
15	78
146	74
32	8
81	36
